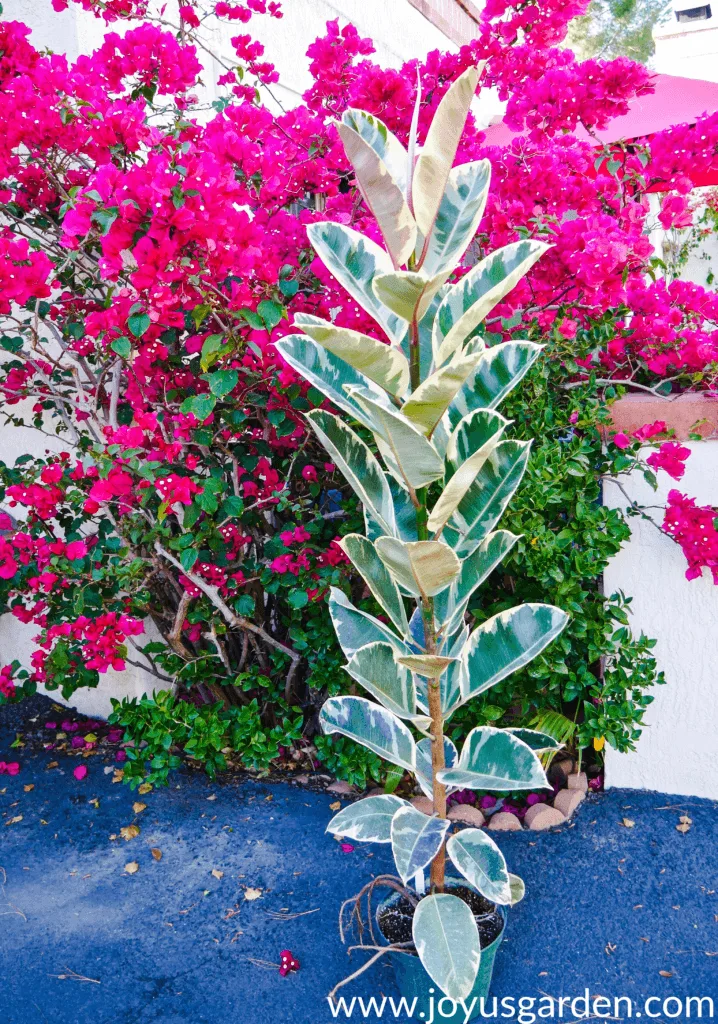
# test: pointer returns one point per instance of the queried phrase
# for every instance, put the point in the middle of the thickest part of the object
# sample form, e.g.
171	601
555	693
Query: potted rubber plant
431	498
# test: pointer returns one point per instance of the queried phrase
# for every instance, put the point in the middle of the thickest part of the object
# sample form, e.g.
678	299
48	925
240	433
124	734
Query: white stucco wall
399	32
678	751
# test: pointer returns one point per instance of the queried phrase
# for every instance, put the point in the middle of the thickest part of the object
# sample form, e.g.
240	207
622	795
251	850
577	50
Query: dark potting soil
395	919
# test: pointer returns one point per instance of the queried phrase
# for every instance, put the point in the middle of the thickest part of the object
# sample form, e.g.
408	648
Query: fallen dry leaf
683	827
666	974
14	821
52	764
130	832
145	788
29	788
627	823
119	775
685	820
156	853
252	894
138	807
270	797
132	868
216	873
336	806
212	797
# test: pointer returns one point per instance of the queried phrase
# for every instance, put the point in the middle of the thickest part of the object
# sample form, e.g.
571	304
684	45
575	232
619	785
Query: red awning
675	101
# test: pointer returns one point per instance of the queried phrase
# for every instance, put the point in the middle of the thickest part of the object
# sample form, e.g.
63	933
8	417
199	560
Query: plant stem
438	865
438	762
414	355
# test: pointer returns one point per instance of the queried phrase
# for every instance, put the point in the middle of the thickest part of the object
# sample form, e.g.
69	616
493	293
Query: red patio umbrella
674	101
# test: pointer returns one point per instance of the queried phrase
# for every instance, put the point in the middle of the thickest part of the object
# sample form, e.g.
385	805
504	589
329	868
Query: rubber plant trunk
434	469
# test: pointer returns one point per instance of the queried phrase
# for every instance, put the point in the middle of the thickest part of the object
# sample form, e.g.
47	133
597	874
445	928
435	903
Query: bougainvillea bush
151	254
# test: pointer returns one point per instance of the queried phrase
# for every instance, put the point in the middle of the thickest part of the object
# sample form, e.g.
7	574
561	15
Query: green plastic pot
414	983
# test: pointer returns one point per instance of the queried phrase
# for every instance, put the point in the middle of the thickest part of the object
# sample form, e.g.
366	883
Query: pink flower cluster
102	639
24	272
671	458
7	686
693	527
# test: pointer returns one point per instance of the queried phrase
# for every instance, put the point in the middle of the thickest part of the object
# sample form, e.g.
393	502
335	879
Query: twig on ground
277	915
71	975
13	909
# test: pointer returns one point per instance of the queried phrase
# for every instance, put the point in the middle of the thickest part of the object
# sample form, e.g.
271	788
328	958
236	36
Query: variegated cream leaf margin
355	628
413	455
355	261
374	667
416	839
362	553
495	760
434	162
469	447
382	194
447	940
357	464
482	864
475	295
406	292
506	642
367	820
429	402
371	725
384	143
383	364
422	567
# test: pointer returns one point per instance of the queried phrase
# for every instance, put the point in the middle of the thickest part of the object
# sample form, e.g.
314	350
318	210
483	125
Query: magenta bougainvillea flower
80	772
671	458
287	962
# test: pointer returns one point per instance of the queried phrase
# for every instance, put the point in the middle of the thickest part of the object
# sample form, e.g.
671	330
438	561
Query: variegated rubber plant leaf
416	838
367	820
447	940
495	760
371	725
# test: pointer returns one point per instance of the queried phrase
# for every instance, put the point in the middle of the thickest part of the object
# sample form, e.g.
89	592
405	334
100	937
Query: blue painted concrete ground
608	907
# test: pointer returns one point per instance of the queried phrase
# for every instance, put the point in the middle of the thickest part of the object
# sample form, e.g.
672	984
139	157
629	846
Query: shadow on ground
608	907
